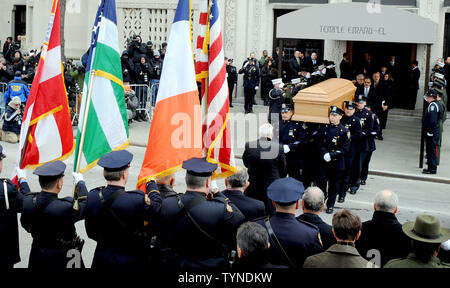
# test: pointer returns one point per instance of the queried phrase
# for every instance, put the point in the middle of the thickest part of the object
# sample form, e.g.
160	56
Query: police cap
286	108
336	110
55	168
199	167
116	161
349	105
432	93
285	190
361	99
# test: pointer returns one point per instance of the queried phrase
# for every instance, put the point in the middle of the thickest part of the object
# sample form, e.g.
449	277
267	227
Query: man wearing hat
156	64
12	121
198	229
275	102
442	98
251	83
333	141
353	124
361	151
293	138
10	205
426	237
291	240
51	220
232	78
430	123
122	222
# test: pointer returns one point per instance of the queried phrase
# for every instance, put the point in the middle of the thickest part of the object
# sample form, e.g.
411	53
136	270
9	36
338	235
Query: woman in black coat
13	117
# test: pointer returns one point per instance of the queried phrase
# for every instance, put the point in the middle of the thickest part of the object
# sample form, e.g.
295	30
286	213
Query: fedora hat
426	229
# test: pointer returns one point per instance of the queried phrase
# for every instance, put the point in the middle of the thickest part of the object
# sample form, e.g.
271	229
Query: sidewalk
397	156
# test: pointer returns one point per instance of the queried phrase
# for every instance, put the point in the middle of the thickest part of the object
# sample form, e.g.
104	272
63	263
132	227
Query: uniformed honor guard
122	222
353	124
333	141
442	98
275	102
10	205
251	83
51	220
198	230
291	240
376	130
361	152
430	123
293	138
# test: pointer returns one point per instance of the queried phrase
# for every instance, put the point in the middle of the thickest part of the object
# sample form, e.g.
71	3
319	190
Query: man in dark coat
10	205
266	162
413	86
236	185
165	186
251	83
380	102
232	78
346	68
383	233
313	203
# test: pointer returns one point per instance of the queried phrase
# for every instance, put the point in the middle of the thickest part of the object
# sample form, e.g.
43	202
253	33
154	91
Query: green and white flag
103	121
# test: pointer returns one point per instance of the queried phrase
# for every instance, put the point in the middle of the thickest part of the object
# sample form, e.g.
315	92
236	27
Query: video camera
134	40
14	46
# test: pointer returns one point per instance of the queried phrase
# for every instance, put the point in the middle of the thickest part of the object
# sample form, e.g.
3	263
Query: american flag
211	72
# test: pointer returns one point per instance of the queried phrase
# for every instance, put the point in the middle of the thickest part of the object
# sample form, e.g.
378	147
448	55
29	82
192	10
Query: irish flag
176	129
103	125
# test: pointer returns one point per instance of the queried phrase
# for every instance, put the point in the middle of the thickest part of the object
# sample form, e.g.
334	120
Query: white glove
214	188
256	88
429	135
77	177
286	149
327	157
21	173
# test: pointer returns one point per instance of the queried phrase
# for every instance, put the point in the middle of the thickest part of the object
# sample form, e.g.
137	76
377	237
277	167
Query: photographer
7	45
12	121
143	72
10	55
149	47
127	68
131	101
6	72
17	61
156	69
28	68
135	49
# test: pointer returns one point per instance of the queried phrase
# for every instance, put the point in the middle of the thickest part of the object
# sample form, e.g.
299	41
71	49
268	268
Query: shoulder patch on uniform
320	239
229	208
349	135
147	200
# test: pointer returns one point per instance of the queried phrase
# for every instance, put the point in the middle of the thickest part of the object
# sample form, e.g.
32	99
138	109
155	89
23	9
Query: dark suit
338	256
381	94
326	233
346	70
385	234
251	208
413	88
266	163
370	95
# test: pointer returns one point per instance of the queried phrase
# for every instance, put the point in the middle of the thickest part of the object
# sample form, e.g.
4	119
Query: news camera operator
127	68
72	86
143	72
136	49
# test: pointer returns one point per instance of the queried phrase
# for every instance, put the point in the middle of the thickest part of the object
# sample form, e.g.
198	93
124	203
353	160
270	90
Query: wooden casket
313	104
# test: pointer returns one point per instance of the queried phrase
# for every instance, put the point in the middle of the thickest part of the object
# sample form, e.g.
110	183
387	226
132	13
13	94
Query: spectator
127	68
156	65
12	121
266	161
265	57
17	61
17	87
6	71
136	50
426	237
313	203
132	102
253	248
346	68
291	241
359	83
143	78
236	185
384	233
268	73
162	51
346	230
6	45
28	72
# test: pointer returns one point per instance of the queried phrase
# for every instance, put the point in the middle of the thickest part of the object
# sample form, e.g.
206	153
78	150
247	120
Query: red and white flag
211	72
46	133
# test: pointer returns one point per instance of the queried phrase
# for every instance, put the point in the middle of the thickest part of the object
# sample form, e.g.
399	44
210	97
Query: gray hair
360	76
313	198
252	239
266	131
239	179
195	182
386	201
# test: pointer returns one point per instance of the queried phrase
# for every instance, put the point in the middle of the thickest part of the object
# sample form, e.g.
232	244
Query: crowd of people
204	227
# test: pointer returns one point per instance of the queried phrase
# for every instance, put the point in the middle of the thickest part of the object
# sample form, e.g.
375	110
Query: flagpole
83	132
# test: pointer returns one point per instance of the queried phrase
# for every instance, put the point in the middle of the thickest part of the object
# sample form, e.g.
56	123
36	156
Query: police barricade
144	96
3	87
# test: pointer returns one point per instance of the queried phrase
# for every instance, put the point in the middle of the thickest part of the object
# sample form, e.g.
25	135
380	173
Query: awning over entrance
357	22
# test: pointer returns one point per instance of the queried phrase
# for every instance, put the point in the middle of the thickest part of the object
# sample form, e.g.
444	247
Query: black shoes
329	211
353	190
341	200
363	182
429	172
380	137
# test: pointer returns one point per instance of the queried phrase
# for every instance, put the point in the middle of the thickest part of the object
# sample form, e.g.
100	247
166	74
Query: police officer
430	123
251	83
18	88
51	220
291	240
293	138
121	221
361	152
376	130
198	230
353	124
442	98
333	141
10	205
231	78
311	154
275	102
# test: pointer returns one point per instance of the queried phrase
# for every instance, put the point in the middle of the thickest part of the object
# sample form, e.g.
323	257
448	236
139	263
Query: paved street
398	154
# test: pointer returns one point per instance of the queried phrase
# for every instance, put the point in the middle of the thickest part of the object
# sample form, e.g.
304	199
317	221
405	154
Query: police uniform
10	205
291	240
361	150
311	154
353	124
122	222
376	130
334	142
251	81
293	138
275	103
198	230
51	221
431	123
440	89
231	80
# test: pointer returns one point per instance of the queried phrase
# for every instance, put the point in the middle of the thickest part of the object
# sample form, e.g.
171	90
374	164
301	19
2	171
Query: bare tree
63	40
